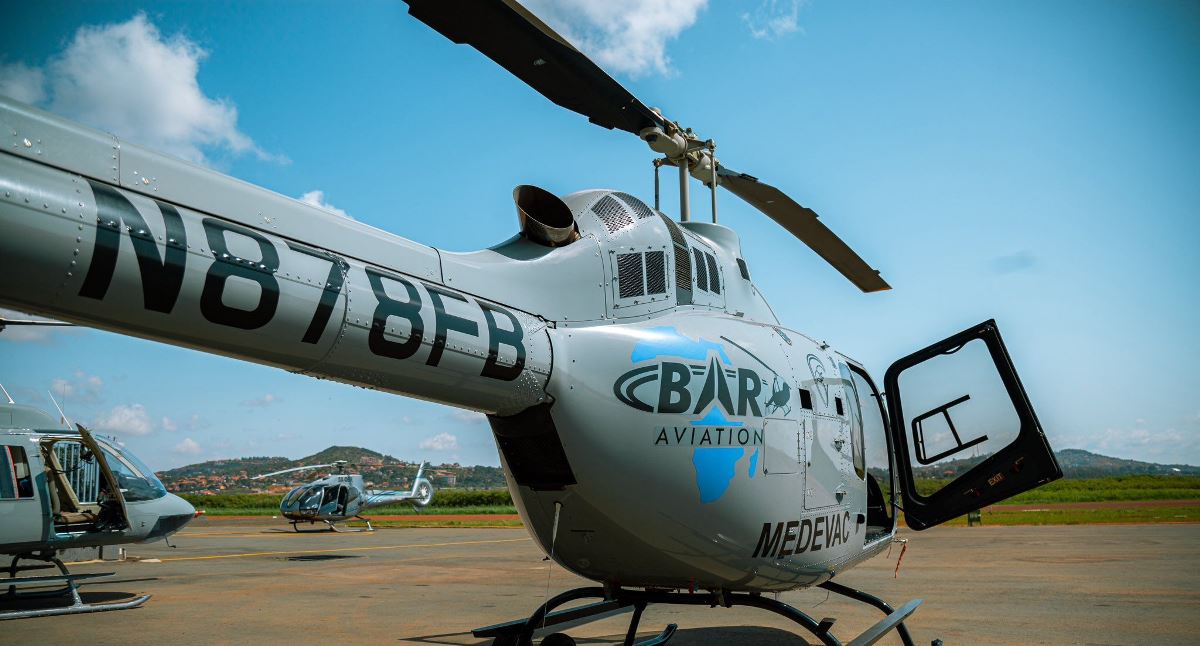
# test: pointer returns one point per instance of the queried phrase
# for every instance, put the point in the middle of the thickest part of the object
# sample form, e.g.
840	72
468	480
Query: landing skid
521	631
77	605
332	526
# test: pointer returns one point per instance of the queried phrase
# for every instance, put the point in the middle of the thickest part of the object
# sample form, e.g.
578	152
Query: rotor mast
681	148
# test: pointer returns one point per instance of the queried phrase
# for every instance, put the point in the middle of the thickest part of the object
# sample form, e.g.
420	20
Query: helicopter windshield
293	496
135	486
313	498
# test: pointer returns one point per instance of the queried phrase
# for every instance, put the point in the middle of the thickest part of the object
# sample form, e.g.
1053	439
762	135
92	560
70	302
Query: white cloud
262	402
440	442
128	420
82	388
169	425
774	18
466	417
127	78
622	36
317	199
187	447
22	82
1140	442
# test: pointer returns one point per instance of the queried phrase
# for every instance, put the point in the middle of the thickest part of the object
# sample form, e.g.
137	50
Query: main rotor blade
275	473
509	34
47	323
802	222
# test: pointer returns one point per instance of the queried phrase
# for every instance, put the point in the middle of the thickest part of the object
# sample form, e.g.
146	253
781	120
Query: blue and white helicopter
341	496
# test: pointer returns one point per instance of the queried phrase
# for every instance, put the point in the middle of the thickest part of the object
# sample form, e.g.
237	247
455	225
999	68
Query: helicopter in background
342	496
63	489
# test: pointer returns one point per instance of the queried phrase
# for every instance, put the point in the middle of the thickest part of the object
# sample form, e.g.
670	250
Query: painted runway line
341	549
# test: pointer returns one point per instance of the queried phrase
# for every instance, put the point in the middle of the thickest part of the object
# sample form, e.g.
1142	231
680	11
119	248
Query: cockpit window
313	499
135	487
15	480
293	496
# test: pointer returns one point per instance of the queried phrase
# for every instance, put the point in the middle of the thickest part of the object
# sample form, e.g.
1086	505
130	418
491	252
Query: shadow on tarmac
741	635
53	601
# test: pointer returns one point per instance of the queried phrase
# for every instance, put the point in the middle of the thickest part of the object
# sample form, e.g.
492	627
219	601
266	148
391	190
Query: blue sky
1038	163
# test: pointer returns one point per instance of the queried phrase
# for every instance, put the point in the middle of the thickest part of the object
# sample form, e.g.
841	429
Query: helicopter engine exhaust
544	218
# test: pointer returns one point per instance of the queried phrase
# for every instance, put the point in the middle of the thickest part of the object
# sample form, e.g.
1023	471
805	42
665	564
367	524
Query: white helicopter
341	496
62	489
605	341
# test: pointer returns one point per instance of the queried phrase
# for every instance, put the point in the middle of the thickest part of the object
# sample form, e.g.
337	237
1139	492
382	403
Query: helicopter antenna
8	396
62	415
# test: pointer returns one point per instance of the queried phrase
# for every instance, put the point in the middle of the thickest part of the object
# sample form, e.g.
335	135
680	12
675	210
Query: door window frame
988	479
878	396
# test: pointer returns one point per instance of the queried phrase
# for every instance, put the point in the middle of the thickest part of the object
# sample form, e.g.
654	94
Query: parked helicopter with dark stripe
605	341
342	496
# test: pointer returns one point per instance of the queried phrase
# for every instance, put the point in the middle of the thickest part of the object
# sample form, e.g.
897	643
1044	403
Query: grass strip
1001	516
391	510
434	522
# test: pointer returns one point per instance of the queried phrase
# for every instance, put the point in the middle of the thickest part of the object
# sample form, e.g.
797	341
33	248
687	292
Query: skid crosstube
77	605
520	632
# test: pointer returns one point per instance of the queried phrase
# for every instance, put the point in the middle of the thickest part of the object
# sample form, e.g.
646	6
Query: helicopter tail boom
110	235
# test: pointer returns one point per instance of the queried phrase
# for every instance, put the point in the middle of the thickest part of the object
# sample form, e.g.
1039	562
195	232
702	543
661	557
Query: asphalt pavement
257	581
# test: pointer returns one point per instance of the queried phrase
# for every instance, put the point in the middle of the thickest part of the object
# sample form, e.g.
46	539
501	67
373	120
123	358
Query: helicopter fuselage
53	495
342	496
650	410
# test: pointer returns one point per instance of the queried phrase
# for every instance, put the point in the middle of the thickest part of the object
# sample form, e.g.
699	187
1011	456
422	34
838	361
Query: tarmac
242	581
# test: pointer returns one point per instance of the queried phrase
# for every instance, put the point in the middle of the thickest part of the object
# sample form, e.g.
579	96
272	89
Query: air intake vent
682	260
656	272
629	275
612	214
743	268
676	234
714	276
639	207
701	271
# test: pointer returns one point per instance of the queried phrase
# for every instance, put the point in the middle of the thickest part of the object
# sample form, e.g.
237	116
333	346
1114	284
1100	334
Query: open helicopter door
113	515
962	424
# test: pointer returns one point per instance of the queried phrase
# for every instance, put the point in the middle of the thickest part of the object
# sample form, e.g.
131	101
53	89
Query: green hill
1075	463
379	470
1083	464
386	472
351	454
